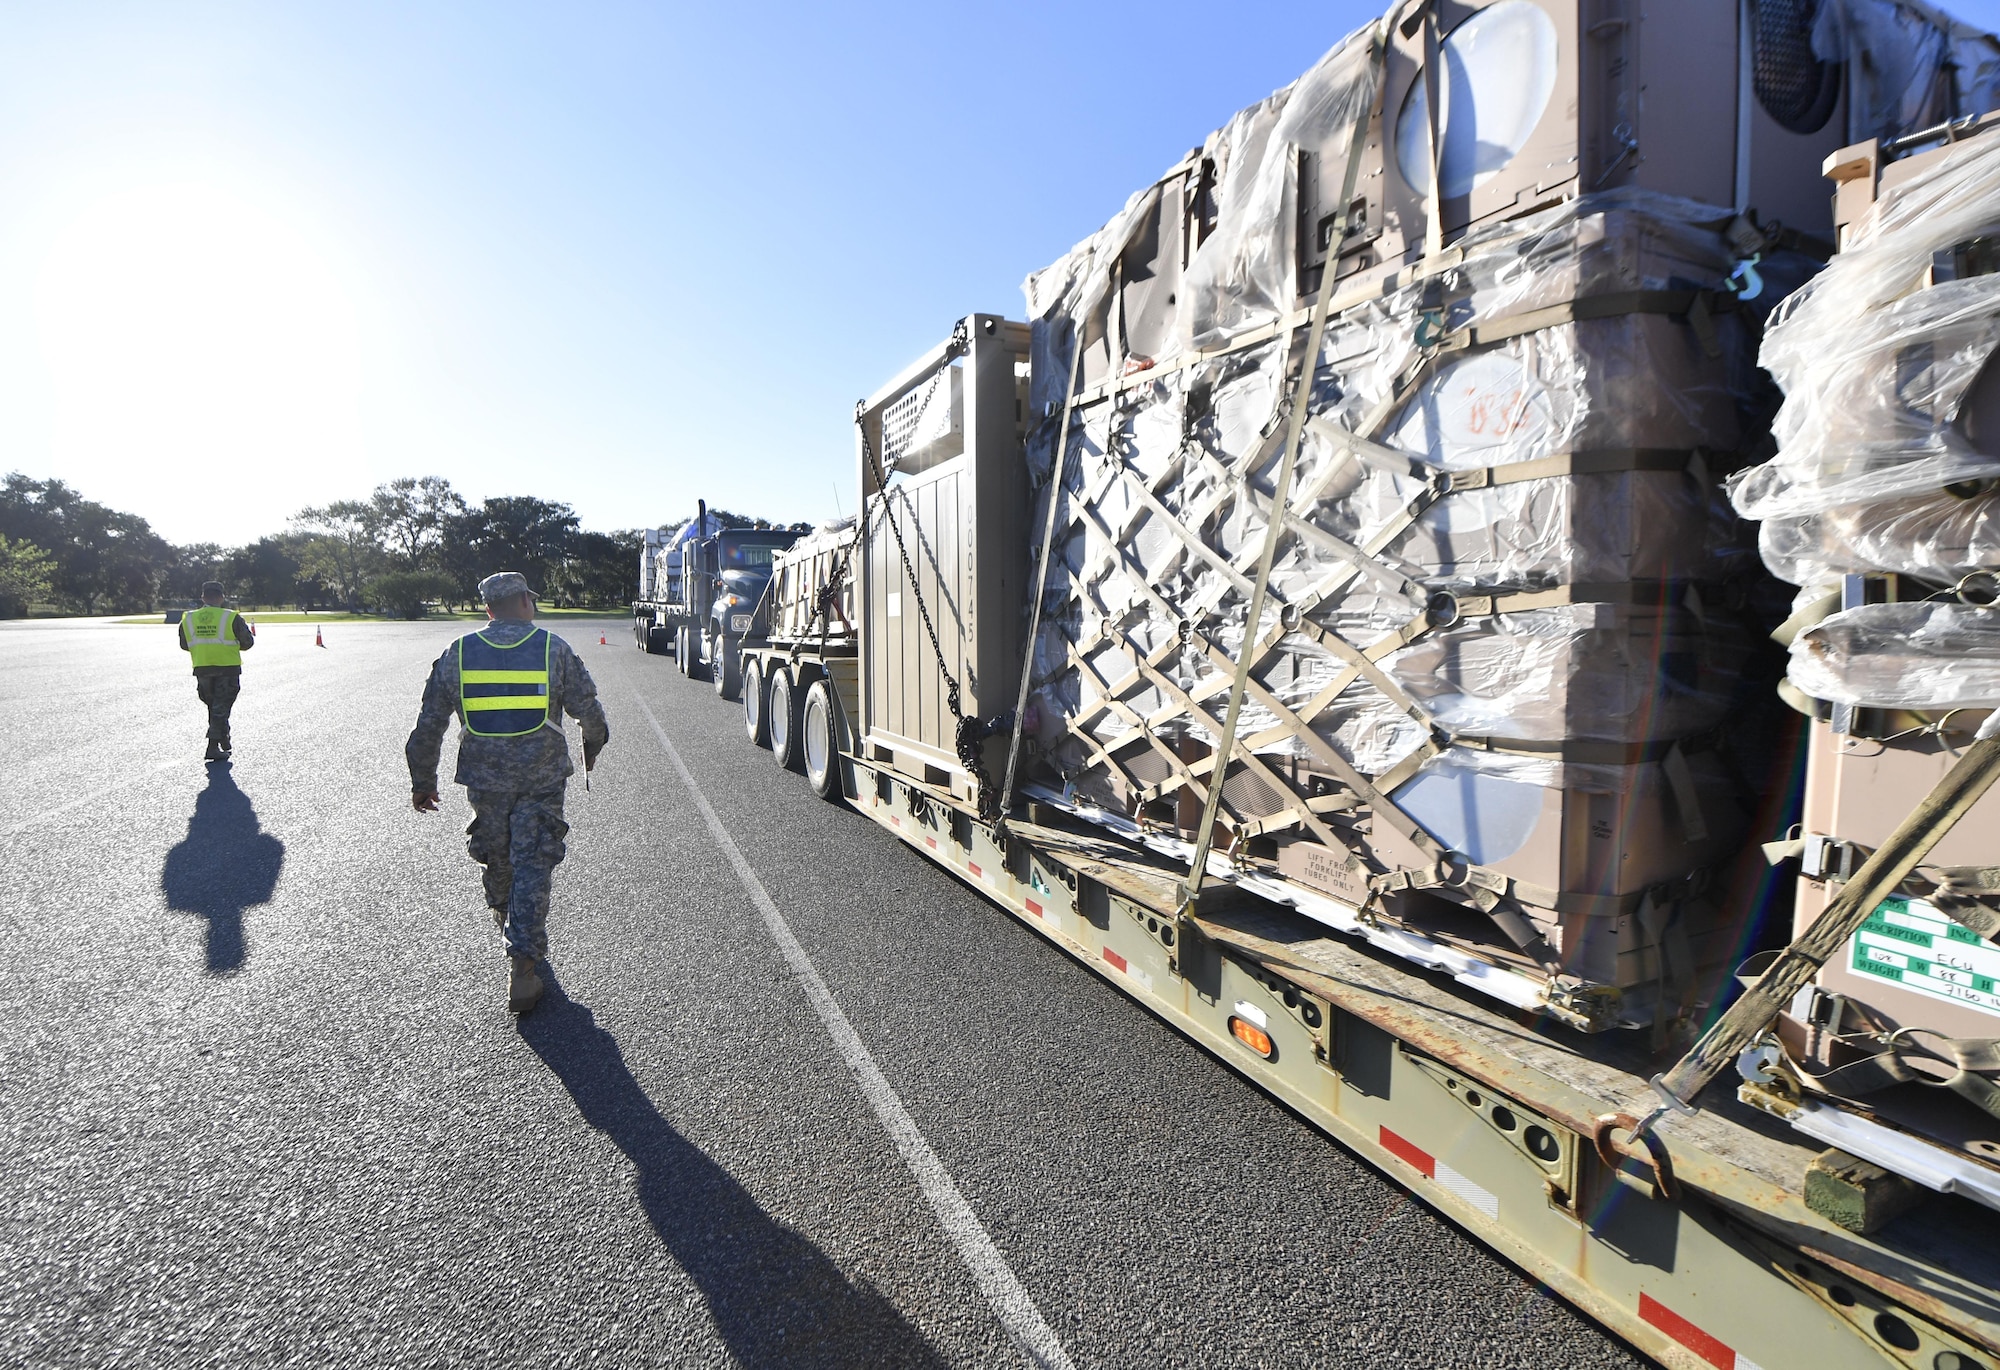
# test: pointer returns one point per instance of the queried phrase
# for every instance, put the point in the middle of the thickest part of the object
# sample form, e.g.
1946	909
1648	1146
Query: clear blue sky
254	256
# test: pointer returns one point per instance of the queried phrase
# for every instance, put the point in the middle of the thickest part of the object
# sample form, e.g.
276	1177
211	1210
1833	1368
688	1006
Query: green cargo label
1955	963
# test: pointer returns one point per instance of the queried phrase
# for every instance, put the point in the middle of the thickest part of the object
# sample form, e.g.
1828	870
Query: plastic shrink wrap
1501	600
1881	500
1920	657
1913	65
1889	443
1504	651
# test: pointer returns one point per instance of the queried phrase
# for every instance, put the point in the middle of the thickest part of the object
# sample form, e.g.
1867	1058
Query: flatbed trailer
1694	1242
1702	1253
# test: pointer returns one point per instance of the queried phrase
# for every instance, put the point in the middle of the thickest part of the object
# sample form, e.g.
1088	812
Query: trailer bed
1489	1114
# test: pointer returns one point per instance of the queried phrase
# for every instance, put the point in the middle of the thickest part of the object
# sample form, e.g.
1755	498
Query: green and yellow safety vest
497	697
211	635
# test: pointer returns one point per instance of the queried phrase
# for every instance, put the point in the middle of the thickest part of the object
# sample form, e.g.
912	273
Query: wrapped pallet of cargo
1485	703
1883	506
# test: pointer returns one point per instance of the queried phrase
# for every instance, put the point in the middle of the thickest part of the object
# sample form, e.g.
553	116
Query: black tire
681	649
725	668
817	736
756	718
782	714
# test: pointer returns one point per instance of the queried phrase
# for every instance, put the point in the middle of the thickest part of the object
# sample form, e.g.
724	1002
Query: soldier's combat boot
524	986
214	752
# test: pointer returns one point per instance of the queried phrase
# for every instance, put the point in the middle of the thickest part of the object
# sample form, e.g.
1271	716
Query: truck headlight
739	624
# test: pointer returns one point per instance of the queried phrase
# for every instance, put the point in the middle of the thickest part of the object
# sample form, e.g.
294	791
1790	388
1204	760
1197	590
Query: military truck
660	612
723	579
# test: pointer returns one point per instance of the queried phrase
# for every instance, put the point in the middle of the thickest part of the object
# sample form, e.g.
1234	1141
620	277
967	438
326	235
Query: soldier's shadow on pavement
226	864
775	1297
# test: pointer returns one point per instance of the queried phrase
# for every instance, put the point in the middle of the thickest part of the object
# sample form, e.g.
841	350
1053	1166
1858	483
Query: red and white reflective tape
977	873
1033	907
931	842
1711	1349
1470	1193
1115	961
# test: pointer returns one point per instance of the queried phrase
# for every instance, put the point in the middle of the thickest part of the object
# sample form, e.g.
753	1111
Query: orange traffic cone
602	641
318	639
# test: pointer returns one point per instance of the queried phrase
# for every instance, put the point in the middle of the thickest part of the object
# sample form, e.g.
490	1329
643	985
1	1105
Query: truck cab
723	579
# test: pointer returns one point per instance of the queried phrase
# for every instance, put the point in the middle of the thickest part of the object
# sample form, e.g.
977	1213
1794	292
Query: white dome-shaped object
1502	65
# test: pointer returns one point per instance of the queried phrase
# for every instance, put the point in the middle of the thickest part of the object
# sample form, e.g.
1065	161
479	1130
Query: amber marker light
1251	1036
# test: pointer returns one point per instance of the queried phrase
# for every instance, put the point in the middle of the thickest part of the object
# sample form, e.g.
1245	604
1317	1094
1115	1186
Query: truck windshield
740	555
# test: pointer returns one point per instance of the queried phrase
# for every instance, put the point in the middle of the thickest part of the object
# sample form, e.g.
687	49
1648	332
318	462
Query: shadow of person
227	863
775	1297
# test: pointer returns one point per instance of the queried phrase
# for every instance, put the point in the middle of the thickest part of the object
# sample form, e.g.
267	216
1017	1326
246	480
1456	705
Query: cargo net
1504	630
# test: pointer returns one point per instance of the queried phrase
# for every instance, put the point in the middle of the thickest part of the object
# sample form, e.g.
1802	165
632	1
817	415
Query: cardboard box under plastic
1621	839
1859	789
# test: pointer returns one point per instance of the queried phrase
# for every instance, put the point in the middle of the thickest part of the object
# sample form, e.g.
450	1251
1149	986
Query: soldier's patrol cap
211	587
504	585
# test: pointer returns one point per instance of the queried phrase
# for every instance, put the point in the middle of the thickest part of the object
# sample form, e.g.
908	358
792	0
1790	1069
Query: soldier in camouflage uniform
509	686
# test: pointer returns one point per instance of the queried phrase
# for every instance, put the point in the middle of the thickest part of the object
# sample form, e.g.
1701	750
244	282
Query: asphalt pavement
263	1105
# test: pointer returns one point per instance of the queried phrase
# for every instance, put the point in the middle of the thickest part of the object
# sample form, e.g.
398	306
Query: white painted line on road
96	794
990	1271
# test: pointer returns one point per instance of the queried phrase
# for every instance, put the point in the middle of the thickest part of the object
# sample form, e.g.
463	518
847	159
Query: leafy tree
339	547
525	534
27	576
193	566
412	516
601	570
104	560
406	593
459	543
267	572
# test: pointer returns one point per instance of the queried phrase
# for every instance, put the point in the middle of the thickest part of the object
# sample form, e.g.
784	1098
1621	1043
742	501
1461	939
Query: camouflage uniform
515	784
218	686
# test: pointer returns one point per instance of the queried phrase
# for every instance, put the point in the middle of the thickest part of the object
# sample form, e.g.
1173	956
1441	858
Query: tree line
412	542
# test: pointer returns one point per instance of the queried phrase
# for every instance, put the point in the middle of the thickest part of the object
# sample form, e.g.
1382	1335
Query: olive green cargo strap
1485	888
1883	1061
1295	410
1954	795
1968	895
1697	307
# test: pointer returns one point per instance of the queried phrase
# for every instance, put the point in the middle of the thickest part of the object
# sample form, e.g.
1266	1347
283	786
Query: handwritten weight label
1909	943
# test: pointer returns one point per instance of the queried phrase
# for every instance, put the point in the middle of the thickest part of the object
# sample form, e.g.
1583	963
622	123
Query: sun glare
200	346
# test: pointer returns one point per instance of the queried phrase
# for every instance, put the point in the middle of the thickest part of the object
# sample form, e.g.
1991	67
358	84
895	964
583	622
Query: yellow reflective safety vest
211	635
503	687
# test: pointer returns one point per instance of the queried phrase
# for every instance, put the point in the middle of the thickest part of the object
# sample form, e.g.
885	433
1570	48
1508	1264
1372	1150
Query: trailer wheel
755	721
724	668
816	735
784	719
